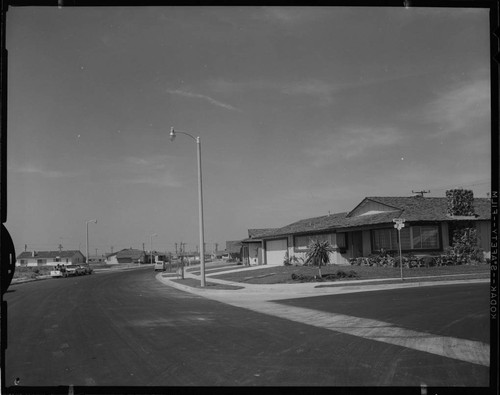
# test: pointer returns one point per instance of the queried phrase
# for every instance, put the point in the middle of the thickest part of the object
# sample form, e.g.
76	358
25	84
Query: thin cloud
321	90
211	100
33	170
352	143
154	170
458	110
166	180
290	16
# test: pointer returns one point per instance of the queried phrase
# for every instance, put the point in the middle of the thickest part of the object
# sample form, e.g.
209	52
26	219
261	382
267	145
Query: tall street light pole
87	244
173	133
151	250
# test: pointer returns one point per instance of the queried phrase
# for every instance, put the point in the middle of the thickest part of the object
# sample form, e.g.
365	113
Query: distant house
49	258
369	227
252	247
97	259
111	259
220	255
130	255
233	249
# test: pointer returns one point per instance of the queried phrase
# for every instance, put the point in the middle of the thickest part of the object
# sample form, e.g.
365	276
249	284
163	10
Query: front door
357	244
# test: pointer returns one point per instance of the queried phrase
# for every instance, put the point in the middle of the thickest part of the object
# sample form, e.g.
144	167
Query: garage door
275	251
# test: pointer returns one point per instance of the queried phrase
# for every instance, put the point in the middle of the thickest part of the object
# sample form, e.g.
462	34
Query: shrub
318	254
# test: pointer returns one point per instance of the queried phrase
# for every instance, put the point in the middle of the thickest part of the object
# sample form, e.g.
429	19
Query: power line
473	183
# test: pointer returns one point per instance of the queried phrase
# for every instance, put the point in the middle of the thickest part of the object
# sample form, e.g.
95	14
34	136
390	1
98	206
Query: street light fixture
87	244
173	133
151	250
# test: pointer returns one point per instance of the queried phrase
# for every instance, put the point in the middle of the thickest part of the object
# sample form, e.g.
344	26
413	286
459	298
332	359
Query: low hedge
303	278
388	259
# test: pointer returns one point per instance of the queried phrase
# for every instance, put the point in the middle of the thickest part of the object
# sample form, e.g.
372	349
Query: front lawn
31	271
283	274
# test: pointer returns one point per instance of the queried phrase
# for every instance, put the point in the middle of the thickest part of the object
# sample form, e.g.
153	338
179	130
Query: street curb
284	289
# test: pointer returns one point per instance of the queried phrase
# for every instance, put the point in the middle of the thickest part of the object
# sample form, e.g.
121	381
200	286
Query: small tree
318	254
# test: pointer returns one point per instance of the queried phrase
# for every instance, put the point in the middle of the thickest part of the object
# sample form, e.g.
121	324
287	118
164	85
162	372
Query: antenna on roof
420	192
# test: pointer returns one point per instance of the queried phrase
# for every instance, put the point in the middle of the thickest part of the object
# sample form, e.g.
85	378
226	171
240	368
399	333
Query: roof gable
369	206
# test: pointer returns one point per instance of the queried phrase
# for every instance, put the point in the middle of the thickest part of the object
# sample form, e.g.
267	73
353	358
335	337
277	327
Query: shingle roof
316	224
48	254
409	208
255	235
432	208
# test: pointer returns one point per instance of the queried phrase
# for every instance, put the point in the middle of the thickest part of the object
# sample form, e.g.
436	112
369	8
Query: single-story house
218	255
111	258
50	258
130	255
251	250
369	227
97	259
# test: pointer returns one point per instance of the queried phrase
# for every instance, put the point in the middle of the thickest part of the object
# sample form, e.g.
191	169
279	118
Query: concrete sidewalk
298	290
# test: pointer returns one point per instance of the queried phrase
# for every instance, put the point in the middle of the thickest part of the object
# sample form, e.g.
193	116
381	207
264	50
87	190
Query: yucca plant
318	254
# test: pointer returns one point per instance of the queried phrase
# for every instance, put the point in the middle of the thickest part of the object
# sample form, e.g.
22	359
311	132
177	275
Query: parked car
80	270
56	273
86	269
71	270
159	265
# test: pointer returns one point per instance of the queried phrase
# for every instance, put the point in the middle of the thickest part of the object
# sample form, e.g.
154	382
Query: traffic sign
399	223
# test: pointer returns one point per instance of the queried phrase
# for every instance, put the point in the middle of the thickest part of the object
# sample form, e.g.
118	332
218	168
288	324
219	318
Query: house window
385	238
412	238
302	242
41	261
23	262
425	237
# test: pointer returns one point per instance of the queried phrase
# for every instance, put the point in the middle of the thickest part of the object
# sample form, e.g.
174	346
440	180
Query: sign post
399	223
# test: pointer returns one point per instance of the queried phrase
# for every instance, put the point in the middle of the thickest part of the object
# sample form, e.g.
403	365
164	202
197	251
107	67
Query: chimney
33	254
460	202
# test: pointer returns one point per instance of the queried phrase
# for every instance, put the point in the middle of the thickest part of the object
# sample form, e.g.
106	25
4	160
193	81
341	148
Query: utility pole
420	192
175	248
60	248
216	247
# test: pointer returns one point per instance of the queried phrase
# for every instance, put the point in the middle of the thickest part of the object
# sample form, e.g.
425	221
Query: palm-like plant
318	254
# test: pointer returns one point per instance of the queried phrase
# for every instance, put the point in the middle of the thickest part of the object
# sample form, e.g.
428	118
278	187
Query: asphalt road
128	329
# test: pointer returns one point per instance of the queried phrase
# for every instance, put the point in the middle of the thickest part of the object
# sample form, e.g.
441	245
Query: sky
301	111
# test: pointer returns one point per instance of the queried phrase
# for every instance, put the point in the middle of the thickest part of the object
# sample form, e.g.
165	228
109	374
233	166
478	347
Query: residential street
129	329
